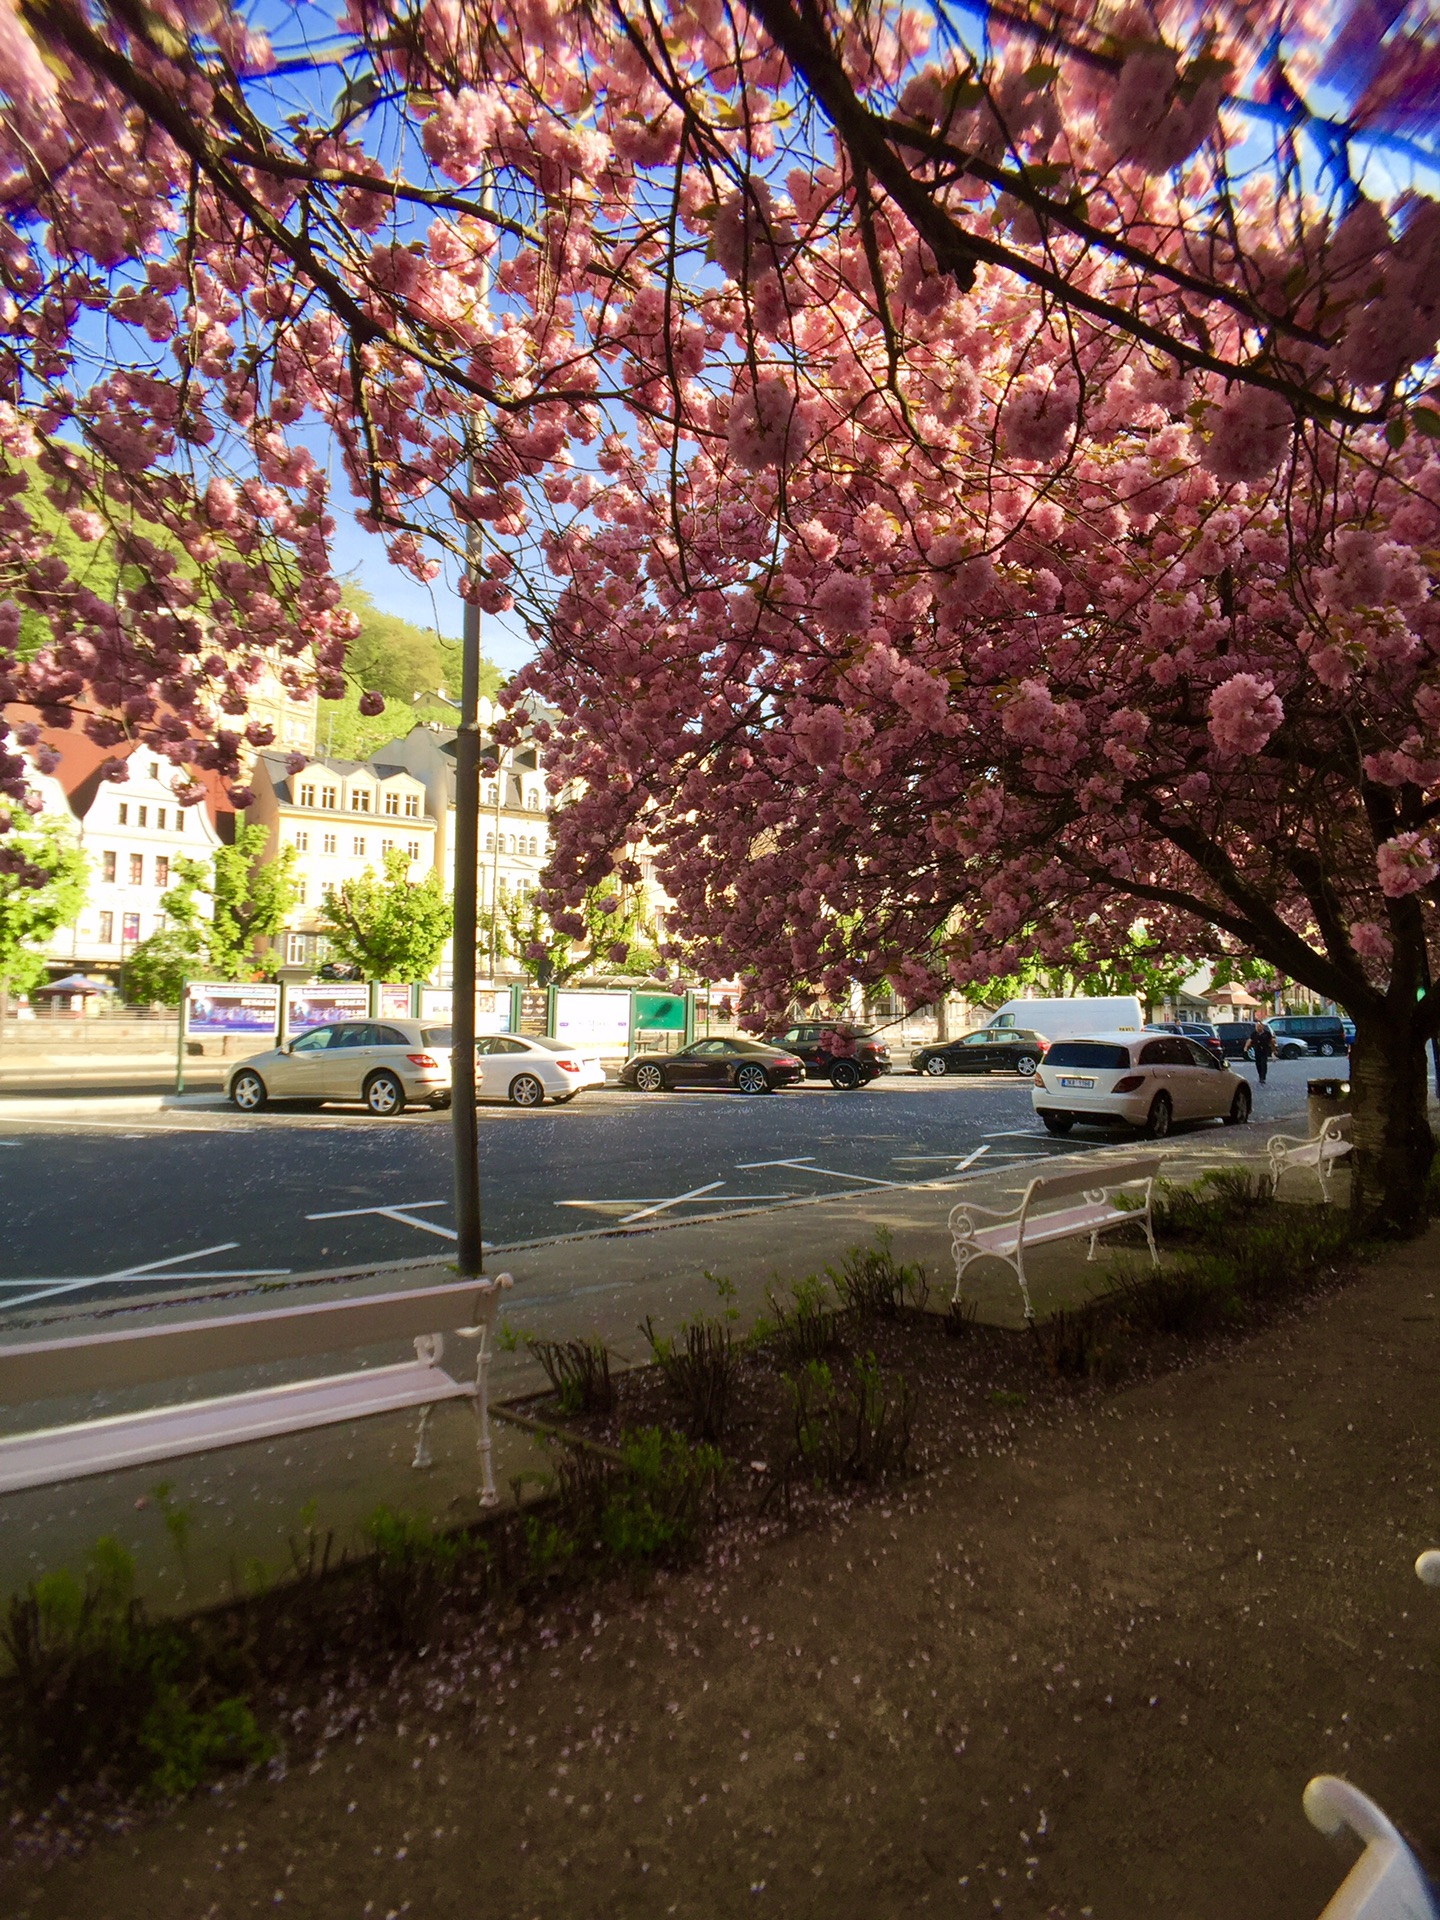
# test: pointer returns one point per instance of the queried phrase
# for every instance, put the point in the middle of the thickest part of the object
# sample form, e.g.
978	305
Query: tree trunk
1393	1145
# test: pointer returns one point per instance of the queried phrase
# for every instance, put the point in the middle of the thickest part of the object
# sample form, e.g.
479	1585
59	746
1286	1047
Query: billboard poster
593	1019
323	1006
217	1008
660	1012
394	1003
492	1007
534	1011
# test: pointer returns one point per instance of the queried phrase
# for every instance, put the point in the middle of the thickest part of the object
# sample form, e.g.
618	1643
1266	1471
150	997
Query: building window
307	796
107	929
489	843
329	843
179	820
360	843
107	867
392	803
154	769
387	846
360	800
144	816
412	847
130	929
487	794
124	813
327	798
162	870
297	949
532	800
160	818
300	892
412	806
302	842
137	870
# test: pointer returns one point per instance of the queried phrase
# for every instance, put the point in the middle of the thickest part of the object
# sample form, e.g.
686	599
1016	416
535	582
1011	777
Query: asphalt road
139	1205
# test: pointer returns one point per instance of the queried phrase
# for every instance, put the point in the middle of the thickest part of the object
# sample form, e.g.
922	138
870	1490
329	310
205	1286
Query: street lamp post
469	1247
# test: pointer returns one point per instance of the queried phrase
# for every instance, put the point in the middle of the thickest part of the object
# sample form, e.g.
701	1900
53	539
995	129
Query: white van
1059	1019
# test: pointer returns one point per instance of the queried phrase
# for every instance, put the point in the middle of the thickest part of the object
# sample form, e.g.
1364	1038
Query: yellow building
341	817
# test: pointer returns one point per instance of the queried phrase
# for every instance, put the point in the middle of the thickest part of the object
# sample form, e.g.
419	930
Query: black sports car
988	1050
747	1066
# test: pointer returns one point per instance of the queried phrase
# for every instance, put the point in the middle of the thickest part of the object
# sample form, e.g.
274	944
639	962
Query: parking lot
141	1203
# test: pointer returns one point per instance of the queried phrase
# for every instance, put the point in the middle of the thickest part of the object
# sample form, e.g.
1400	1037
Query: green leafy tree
30	915
616	937
247	899
389	926
400	661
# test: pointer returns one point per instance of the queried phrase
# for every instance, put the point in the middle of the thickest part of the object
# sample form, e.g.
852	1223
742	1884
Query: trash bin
1326	1099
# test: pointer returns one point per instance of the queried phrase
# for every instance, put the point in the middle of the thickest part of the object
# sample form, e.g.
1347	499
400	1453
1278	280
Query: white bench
1037	1221
1386	1882
142	1354
1332	1143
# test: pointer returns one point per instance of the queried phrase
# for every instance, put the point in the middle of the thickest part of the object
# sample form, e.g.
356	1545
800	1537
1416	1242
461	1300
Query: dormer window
327	797
307	796
360	800
392	802
412	806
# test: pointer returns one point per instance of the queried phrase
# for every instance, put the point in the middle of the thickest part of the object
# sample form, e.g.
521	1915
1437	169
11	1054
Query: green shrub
872	1283
805	1327
856	1428
579	1371
648	1504
97	1687
410	1569
700	1365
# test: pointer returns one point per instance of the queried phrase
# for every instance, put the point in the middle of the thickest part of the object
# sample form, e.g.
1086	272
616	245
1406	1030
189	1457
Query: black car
866	1057
1200	1030
1234	1036
749	1066
1297	1034
988	1050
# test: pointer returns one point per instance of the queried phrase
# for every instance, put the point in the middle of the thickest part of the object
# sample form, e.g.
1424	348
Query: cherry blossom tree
964	483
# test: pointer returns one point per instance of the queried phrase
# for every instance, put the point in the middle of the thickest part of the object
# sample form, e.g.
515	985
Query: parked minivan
1297	1034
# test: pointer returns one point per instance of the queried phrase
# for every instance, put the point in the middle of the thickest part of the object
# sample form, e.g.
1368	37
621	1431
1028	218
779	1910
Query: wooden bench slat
136	1356
56	1454
1059	1225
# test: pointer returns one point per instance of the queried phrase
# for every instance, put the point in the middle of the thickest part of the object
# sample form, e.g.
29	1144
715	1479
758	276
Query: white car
527	1072
1139	1080
382	1063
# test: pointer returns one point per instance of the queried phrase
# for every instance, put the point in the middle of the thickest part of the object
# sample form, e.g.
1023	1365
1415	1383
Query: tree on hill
217	913
42	889
397	661
389	926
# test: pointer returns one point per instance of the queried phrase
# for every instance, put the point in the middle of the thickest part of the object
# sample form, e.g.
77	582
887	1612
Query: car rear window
437	1036
1086	1053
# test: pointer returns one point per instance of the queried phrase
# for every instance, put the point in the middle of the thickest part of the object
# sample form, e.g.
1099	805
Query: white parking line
53	1289
947	1159
803	1165
653	1205
402	1212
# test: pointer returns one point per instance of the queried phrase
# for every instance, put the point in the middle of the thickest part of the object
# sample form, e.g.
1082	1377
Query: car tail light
1039	1078
789	1060
1130	1084
424	1060
1042	1046
568	1066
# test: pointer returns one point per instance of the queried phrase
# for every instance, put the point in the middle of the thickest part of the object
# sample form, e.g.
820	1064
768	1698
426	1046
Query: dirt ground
1082	1668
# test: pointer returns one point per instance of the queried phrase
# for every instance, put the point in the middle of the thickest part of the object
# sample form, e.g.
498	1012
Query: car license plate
1077	1083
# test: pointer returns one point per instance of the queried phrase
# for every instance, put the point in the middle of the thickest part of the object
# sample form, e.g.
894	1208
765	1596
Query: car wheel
1026	1065
1058	1122
649	1079
1239	1108
845	1076
752	1079
1292	1053
1326	1050
248	1092
1157	1121
526	1091
384	1096
936	1065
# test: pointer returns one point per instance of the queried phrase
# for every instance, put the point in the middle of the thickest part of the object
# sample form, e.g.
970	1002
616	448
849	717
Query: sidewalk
1087	1672
246	1502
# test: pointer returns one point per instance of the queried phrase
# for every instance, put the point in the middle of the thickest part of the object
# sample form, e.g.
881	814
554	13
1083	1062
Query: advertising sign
394	1003
323	1006
593	1019
534	1010
217	1008
660	1012
492	1007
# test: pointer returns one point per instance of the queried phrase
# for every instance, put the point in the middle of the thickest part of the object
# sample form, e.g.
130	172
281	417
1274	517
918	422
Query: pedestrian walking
1260	1047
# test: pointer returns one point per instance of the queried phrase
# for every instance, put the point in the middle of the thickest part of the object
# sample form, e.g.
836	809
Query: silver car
383	1063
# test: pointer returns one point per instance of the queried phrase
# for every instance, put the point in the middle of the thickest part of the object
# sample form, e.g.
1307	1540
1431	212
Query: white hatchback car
1142	1080
527	1072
